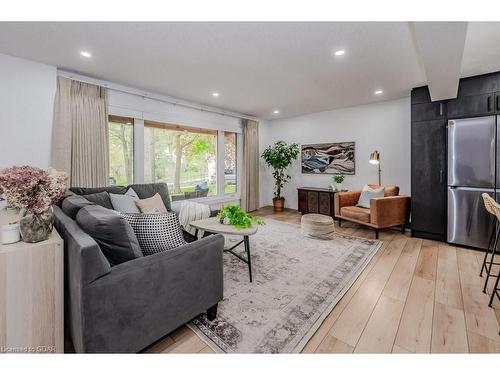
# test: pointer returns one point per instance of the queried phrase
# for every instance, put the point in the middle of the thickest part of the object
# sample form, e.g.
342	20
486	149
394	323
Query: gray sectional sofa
126	307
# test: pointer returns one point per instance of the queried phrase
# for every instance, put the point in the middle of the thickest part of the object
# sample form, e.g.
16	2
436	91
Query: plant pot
279	204
37	227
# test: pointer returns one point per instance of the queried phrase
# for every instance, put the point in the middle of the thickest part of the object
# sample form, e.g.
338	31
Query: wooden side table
32	297
316	201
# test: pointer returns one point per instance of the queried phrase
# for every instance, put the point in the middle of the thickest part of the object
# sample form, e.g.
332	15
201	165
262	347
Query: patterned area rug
297	281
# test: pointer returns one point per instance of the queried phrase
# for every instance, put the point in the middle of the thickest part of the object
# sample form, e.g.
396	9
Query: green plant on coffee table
239	218
339	178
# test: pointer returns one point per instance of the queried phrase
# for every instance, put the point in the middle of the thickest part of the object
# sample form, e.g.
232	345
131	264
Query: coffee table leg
247	249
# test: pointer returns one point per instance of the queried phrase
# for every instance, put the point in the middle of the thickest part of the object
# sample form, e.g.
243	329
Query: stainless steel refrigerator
472	170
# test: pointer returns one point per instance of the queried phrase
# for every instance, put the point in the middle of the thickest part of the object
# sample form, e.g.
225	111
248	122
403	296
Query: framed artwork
329	158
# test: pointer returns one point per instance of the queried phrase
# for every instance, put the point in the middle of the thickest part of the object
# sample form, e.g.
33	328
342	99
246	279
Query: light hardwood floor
415	296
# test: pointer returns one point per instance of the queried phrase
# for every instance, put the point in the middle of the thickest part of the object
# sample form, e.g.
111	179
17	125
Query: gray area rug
297	281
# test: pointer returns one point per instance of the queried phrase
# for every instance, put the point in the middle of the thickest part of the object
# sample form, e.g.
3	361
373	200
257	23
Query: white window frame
221	197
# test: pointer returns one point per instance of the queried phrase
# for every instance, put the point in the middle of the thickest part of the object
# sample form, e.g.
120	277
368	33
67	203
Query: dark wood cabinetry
428	178
316	201
477	96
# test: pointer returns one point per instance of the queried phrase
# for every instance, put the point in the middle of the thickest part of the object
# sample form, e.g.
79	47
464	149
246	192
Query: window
185	158
230	163
121	150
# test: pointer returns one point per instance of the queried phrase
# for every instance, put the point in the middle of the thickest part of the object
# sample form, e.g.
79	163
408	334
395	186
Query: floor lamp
375	159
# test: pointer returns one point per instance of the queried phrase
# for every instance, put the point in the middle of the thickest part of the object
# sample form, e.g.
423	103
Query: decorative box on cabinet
316	201
31	297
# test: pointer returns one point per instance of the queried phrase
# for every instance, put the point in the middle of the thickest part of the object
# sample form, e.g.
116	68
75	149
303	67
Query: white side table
32	297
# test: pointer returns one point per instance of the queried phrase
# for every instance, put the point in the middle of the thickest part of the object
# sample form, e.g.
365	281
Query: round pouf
317	226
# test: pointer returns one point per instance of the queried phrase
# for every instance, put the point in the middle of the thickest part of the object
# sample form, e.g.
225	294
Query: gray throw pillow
156	232
113	233
125	202
368	193
102	199
73	203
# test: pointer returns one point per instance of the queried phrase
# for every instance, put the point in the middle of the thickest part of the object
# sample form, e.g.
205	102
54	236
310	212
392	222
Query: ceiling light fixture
276	112
215	94
340	52
378	92
85	54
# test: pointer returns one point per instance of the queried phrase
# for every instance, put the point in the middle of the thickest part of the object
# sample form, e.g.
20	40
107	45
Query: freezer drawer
469	223
471	152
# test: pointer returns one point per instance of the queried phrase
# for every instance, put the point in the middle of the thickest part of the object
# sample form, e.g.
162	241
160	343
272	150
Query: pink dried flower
32	188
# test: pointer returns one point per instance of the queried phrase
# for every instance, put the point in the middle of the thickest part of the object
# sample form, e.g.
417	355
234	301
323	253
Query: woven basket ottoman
317	226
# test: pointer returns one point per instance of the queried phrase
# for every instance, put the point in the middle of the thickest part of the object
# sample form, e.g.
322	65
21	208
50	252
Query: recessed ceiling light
276	112
215	94
340	52
378	92
85	54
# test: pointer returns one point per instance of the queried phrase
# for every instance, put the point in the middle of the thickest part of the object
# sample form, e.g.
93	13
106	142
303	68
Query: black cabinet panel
471	106
428	111
420	95
428	166
484	84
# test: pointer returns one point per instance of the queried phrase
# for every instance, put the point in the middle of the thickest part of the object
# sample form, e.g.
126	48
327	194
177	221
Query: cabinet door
473	86
324	204
302	202
420	95
497	102
428	166
428	111
471	106
312	202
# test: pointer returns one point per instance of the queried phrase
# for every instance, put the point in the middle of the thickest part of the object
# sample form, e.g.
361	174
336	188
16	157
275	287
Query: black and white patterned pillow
156	232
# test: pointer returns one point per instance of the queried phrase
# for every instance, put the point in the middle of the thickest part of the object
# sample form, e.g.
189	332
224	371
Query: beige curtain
80	137
250	173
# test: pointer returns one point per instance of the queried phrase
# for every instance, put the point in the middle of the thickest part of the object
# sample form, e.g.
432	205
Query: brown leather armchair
390	211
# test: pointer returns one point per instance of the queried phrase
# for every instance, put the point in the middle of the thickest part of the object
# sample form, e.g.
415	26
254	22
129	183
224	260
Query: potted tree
279	157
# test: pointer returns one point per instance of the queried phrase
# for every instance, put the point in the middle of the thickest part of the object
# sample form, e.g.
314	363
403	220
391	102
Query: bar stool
493	208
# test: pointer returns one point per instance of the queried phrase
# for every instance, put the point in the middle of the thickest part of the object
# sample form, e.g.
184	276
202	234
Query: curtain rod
152	96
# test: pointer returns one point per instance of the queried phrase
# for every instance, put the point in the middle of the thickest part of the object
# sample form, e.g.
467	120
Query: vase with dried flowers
33	191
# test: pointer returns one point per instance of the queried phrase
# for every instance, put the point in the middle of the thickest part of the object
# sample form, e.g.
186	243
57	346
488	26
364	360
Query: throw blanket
191	211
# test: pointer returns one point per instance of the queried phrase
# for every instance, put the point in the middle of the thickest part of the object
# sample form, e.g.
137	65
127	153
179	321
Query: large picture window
185	158
230	163
121	150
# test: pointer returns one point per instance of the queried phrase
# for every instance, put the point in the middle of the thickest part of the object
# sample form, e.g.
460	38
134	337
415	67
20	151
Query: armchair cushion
389	191
356	213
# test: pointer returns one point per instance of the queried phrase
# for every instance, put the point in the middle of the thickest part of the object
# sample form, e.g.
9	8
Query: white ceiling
256	67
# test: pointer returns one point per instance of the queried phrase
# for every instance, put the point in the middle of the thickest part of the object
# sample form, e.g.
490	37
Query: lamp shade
375	157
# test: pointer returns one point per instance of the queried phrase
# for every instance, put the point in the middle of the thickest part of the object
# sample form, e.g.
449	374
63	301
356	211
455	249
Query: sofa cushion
148	190
125	202
389	191
156	232
153	205
113	233
73	203
109	189
368	194
102	199
356	213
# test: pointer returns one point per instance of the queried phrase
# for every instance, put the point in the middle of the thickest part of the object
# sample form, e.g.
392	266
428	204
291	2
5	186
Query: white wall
27	92
383	126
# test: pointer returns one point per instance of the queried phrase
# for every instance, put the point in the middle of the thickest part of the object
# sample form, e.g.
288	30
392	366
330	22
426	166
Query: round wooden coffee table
213	225
317	226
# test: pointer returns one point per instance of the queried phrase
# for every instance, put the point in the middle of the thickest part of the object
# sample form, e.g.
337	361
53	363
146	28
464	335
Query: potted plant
338	179
234	215
33	191
279	157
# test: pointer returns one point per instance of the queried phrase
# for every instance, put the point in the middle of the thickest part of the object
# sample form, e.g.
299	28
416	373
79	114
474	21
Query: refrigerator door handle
441	176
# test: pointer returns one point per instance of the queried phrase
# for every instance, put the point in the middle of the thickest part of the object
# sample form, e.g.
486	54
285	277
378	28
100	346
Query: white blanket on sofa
191	211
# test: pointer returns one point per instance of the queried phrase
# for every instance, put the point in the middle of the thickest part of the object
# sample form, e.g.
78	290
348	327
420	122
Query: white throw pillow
125	203
367	194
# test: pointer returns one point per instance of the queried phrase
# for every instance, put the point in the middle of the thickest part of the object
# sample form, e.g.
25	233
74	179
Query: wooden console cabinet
316	201
31	297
